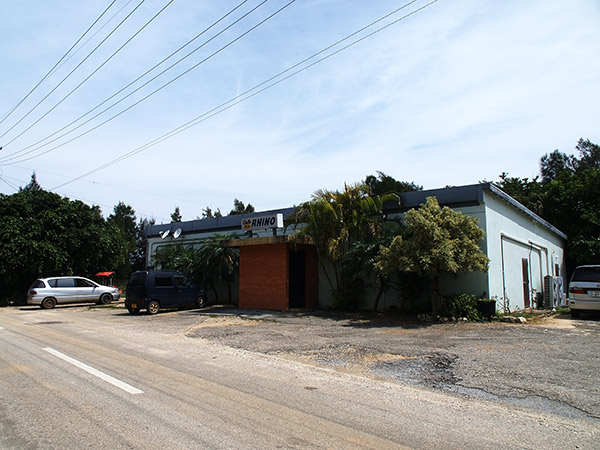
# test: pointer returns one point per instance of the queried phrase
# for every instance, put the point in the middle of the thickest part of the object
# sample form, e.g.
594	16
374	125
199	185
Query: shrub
461	305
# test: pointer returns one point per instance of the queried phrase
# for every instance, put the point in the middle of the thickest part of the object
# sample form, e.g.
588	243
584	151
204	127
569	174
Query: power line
92	74
119	91
13	155
77	67
256	90
57	64
156	90
5	179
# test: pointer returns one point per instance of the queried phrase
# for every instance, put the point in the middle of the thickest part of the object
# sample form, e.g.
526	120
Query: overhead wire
256	90
8	114
104	25
73	71
23	150
153	92
92	74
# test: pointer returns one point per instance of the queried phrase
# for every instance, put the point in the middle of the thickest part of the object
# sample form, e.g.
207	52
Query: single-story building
526	253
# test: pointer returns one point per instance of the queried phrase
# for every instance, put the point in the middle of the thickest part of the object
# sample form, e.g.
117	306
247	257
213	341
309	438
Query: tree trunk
436	295
381	290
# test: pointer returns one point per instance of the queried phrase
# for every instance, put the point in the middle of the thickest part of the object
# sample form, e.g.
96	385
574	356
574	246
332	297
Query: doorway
526	299
297	287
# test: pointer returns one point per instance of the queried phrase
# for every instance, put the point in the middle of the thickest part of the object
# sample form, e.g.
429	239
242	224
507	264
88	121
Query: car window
181	281
83	283
163	281
65	282
52	282
37	284
586	274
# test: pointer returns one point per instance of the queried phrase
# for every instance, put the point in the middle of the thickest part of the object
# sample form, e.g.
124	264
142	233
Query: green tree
218	264
176	215
240	208
44	234
567	197
138	259
383	184
208	213
123	220
342	225
209	265
438	240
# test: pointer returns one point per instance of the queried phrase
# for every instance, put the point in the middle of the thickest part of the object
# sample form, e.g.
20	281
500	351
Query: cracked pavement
550	364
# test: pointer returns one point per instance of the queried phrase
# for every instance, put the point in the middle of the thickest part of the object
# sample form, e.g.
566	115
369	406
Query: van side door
186	291
164	290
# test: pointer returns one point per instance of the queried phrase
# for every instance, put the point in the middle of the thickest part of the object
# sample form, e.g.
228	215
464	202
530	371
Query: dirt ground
550	363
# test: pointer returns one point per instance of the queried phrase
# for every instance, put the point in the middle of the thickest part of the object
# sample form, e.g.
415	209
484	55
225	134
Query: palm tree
338	222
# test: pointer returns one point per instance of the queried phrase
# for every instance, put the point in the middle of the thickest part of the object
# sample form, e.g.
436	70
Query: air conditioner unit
553	291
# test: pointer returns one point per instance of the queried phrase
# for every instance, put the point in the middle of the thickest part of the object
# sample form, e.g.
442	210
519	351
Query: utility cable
90	75
108	21
77	67
23	150
156	90
233	102
57	64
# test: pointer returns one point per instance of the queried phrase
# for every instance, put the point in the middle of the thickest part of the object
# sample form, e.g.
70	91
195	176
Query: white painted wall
512	236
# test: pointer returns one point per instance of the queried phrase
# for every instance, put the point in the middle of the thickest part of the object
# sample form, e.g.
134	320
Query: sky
285	98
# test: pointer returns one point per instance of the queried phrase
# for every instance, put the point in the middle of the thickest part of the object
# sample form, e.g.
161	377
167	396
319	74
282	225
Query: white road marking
118	383
1	328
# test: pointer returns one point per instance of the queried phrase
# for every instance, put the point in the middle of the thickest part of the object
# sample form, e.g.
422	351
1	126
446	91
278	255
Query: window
181	281
65	283
83	283
163	281
52	282
587	274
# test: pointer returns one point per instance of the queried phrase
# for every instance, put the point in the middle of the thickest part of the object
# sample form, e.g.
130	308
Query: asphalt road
75	377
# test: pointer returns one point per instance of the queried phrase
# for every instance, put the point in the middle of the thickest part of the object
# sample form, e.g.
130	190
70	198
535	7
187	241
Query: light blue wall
512	236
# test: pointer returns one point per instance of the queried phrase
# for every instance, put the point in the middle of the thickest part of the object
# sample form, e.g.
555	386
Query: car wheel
105	299
133	310
575	313
153	307
200	302
48	303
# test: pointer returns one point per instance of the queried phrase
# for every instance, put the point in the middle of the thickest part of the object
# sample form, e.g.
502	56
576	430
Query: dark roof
217	225
461	196
451	196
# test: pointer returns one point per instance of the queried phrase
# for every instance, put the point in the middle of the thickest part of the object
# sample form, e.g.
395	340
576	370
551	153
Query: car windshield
587	274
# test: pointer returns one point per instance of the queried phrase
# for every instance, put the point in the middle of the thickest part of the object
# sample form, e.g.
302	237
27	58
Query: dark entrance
525	265
297	260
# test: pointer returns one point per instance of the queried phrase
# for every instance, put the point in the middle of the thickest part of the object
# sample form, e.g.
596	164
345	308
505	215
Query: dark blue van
153	290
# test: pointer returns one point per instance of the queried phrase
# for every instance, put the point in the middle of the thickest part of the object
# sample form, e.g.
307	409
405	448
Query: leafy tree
123	221
240	208
438	240
343	225
208	213
43	234
554	164
218	264
567	197
209	265
138	258
176	215
384	184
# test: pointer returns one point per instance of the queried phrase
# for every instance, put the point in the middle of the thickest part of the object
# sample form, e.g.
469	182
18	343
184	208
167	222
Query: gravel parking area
550	364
